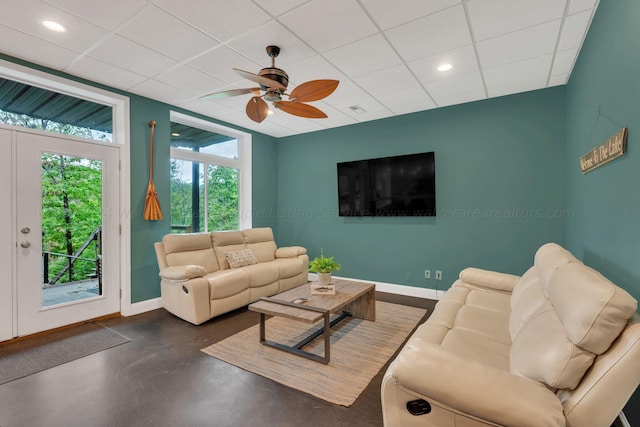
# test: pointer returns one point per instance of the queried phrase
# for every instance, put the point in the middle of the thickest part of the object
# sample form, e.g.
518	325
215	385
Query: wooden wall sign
612	148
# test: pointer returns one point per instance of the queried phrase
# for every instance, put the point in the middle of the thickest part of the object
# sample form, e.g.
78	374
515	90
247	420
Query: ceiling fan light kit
273	82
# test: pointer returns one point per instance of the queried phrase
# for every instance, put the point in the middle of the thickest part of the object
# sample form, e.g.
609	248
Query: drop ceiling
385	53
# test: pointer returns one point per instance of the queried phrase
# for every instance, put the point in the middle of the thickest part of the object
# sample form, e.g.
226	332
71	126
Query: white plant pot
324	278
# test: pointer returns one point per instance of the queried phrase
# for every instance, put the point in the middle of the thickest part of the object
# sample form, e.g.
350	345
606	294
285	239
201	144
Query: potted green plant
323	266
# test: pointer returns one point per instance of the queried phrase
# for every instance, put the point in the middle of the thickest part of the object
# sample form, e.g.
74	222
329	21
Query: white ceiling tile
563	62
490	18
102	72
191	80
313	68
457	89
348	94
220	63
407	100
131	56
161	91
253	45
463	60
222	19
335	117
433	34
28	16
298	124
166	34
205	107
117	12
373	53
29	48
574	29
519	86
387	80
558	80
517	46
389	14
519	73
278	7
580	5
328	24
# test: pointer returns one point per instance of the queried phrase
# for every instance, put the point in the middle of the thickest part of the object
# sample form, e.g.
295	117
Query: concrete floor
161	378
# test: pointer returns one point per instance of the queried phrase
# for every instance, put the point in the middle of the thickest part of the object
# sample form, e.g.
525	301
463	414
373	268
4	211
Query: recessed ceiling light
270	111
54	26
175	134
445	67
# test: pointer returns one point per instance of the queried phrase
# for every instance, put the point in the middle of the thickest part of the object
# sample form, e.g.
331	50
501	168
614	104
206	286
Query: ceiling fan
273	81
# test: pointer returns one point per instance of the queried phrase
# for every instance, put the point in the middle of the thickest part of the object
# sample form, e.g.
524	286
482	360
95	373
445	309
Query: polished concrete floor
161	378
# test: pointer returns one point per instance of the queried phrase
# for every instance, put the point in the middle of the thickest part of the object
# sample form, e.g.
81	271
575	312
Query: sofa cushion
290	267
227	283
261	274
184	249
226	241
542	352
237	259
526	299
548	258
261	242
592	309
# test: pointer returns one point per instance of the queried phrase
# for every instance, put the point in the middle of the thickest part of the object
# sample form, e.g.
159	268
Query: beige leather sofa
198	283
559	346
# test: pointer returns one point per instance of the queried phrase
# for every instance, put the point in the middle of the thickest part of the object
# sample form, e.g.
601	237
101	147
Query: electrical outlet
427	274
438	275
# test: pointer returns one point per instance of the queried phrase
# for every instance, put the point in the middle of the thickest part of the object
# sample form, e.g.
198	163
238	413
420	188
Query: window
210	176
33	107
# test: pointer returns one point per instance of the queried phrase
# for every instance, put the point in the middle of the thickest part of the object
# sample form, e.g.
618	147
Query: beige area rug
359	349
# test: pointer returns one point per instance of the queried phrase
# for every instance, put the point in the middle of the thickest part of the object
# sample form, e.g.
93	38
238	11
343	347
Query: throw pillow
241	258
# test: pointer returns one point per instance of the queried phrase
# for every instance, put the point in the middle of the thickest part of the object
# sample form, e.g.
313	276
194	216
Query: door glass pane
71	228
222	212
187	196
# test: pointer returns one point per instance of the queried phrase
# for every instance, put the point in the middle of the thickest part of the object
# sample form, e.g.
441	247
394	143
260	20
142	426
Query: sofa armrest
489	279
290	251
468	386
181	273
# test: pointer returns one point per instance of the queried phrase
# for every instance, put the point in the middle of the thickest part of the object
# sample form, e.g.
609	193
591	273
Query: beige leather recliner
198	282
559	346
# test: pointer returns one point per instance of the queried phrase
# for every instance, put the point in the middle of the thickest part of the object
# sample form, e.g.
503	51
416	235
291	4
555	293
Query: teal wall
499	183
603	95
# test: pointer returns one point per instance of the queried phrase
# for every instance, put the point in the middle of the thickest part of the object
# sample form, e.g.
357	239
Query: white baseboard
392	288
141	307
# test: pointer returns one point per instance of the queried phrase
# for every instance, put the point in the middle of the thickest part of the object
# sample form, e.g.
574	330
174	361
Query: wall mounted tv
388	186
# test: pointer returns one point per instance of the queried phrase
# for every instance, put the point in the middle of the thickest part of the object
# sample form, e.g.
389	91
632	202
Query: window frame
242	163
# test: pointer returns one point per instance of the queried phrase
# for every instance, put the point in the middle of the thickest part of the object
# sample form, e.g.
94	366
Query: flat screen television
388	186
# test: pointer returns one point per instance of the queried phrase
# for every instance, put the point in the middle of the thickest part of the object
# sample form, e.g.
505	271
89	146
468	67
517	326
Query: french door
64	231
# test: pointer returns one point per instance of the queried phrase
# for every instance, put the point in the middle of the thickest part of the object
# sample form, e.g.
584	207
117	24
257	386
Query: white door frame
121	137
33	316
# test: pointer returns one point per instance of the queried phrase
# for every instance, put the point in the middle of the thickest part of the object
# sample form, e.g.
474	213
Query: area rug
22	358
359	349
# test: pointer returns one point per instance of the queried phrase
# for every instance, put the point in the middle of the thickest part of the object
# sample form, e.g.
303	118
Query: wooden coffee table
352	299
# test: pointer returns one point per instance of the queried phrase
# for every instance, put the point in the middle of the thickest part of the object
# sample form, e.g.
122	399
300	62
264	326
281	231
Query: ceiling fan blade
271	84
300	109
231	92
257	109
313	90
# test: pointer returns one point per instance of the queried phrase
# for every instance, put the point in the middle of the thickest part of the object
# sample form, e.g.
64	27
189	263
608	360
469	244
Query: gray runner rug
22	358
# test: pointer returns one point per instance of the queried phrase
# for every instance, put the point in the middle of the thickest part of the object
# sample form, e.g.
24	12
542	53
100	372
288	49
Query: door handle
25	244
